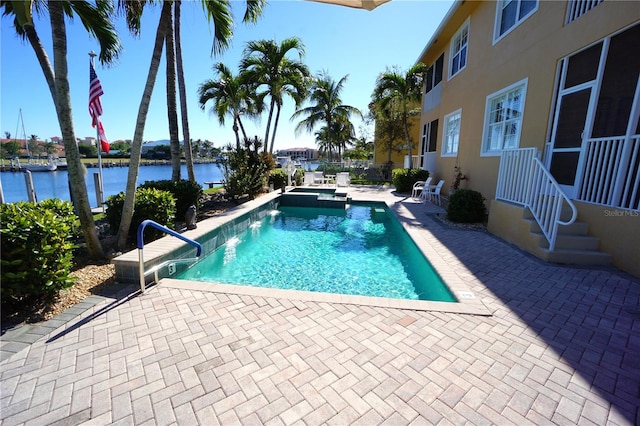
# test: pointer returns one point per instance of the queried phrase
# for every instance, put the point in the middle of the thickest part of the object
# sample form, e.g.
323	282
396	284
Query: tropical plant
267	66
403	179
405	89
11	149
246	171
466	206
37	251
327	108
220	14
388	125
231	96
97	18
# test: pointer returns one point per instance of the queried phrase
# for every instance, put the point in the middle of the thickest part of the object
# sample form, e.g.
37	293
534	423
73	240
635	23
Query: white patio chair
417	187
318	178
309	178
343	179
432	192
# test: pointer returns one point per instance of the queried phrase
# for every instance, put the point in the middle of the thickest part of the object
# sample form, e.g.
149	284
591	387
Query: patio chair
318	178
432	192
309	178
343	179
417	187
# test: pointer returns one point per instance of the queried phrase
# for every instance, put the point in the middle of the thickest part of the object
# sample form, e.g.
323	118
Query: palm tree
97	19
183	93
172	107
388	124
231	96
327	109
267	65
220	14
406	90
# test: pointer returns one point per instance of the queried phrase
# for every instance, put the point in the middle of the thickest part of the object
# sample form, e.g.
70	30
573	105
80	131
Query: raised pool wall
211	233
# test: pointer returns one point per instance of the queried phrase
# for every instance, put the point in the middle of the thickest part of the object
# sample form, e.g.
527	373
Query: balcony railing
611	172
577	8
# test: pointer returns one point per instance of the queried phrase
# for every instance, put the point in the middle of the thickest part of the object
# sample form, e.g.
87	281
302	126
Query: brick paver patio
562	346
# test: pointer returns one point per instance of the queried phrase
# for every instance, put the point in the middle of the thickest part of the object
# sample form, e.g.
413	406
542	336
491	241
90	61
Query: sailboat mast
24	134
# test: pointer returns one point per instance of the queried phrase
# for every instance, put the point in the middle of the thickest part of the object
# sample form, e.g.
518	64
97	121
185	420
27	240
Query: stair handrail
524	179
545	202
140	244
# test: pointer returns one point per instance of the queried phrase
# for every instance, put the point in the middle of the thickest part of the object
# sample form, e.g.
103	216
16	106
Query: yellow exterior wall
619	233
381	153
532	51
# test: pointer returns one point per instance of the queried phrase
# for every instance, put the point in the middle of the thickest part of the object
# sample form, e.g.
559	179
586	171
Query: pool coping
467	303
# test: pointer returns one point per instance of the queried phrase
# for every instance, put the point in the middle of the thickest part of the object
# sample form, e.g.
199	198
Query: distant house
538	102
299	153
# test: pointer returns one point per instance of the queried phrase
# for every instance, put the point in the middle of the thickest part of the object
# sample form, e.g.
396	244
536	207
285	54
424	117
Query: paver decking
562	346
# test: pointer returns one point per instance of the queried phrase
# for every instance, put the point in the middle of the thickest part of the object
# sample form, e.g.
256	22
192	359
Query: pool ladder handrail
155	269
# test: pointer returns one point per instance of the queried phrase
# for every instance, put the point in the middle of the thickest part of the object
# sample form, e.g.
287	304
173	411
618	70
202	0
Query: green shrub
403	179
151	203
466	206
37	250
185	192
278	177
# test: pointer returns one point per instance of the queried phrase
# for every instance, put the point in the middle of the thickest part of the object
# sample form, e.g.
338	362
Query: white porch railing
611	172
577	8
523	179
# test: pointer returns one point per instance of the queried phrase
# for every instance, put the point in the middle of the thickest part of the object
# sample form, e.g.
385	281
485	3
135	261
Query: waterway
55	184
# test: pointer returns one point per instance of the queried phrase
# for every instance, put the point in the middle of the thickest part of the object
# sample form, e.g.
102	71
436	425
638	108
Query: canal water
55	184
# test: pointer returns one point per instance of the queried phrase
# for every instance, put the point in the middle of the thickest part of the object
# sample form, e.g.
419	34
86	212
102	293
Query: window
451	136
434	74
503	119
510	13
458	56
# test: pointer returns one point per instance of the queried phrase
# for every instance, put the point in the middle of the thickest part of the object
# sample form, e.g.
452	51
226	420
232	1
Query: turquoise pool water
360	250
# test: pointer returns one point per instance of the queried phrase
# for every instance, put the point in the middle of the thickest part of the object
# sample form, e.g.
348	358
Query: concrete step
565	214
577	257
576	228
571	242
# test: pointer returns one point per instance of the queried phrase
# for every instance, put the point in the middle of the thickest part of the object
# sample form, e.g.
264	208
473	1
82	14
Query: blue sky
338	40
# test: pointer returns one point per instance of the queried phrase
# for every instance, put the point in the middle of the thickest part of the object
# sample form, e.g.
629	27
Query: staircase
573	243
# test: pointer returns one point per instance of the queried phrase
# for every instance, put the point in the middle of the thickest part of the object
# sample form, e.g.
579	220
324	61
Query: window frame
445	133
453	53
498	21
433	75
485	151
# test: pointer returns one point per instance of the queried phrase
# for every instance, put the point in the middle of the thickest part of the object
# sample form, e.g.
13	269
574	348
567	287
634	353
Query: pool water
360	250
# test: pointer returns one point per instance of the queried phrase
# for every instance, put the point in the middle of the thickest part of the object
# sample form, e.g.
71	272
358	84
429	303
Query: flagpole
100	200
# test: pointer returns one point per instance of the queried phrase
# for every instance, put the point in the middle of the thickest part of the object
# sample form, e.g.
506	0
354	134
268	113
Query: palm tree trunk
172	113
65	118
275	127
266	134
183	95
136	145
244	133
43	59
408	139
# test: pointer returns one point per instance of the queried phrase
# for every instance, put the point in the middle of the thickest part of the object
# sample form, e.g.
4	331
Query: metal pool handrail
166	230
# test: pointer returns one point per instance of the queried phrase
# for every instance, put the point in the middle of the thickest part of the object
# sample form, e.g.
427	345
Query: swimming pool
360	250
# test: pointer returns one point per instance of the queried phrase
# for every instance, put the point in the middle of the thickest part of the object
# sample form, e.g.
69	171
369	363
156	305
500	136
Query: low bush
403	179
466	206
37	250
278	178
185	192
151	203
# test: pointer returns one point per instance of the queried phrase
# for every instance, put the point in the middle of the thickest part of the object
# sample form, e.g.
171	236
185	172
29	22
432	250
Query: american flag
95	91
95	106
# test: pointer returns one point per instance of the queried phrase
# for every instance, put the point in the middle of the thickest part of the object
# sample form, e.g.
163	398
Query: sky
338	40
